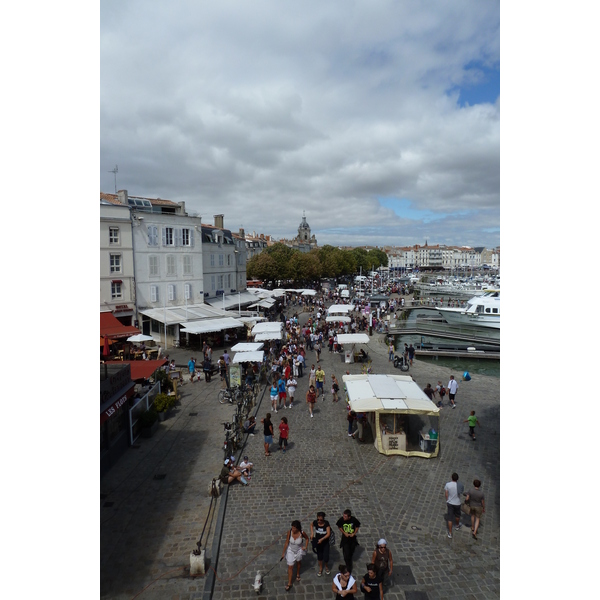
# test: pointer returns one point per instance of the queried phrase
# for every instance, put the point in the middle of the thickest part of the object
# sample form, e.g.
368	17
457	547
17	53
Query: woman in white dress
293	550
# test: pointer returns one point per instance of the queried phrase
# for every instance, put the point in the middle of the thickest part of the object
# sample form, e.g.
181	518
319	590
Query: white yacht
483	311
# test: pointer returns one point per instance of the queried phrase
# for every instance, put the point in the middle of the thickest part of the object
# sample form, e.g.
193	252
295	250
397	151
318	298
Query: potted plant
149	422
163	403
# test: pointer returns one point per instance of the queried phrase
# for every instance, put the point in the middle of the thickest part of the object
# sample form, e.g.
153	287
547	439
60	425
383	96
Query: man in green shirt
472	421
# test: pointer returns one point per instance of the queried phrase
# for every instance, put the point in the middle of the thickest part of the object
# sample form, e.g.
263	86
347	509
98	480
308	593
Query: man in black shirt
348	526
371	586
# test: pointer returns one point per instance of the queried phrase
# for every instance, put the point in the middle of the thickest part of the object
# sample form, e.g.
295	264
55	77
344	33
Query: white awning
368	393
210	325
232	300
267	335
309	293
353	338
267	326
174	315
256	356
264	303
247	347
342	309
338	319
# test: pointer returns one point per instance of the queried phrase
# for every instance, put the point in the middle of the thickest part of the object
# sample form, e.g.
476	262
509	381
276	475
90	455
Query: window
153	266
154	293
212	283
171	292
171	265
187	238
229	260
116	291
115	263
167	235
229	281
212	260
187	264
188	291
152	235
220	260
113	235
220	281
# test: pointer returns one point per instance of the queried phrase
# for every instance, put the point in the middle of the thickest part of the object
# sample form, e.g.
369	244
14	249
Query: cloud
263	110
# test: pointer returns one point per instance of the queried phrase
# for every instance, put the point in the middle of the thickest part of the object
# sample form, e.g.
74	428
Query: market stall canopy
140	369
340	309
353	338
367	393
232	300
174	315
309	293
211	325
267	335
247	347
140	337
264	303
111	327
267	326
338	319
241	357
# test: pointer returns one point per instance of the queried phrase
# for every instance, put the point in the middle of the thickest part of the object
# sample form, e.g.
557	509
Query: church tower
304	230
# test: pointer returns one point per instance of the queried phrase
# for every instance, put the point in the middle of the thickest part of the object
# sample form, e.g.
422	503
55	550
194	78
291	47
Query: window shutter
171	292
178	237
154	293
188	291
164	236
191	230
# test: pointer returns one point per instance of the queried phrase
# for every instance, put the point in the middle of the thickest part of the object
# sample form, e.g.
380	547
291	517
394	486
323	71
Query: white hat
226	461
382	542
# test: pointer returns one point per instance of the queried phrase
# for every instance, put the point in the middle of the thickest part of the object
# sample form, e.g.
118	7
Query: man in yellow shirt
320	378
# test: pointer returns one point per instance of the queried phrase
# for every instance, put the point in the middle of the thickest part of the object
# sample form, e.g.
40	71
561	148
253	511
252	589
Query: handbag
332	538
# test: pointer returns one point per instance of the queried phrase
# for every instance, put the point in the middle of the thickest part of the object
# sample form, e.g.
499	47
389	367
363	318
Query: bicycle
229	395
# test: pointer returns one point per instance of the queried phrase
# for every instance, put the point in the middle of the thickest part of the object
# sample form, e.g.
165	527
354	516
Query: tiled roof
114	199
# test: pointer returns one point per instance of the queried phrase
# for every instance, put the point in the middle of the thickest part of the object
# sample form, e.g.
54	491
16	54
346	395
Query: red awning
111	327
140	369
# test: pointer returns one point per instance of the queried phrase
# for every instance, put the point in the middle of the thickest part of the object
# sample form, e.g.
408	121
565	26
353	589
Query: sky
378	120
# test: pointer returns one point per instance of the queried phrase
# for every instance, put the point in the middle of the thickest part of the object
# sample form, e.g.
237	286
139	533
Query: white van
342	286
345	293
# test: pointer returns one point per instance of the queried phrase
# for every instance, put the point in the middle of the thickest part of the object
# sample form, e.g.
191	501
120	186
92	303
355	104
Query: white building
117	282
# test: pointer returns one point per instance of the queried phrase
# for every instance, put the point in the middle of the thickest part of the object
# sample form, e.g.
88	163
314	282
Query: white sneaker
311	415
275	411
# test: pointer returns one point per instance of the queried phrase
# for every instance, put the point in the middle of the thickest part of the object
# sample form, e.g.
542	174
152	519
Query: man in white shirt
452	389
452	491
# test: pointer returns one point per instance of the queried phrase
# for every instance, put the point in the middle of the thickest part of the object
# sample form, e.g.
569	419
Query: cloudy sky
380	120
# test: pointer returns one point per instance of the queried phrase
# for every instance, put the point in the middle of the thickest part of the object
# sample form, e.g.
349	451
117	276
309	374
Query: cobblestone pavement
148	533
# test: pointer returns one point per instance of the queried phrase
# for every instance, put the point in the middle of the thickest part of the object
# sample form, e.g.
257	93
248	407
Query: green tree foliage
279	262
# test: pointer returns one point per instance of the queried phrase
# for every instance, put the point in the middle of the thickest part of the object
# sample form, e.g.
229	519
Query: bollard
197	566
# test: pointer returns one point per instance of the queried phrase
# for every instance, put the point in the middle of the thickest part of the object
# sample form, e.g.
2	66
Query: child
335	388
246	467
274	395
284	432
472	421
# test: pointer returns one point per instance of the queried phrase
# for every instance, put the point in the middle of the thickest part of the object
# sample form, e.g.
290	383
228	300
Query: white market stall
338	319
403	419
340	309
247	347
345	339
253	356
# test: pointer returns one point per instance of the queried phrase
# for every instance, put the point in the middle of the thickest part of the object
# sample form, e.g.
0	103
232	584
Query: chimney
242	233
219	221
123	198
262	236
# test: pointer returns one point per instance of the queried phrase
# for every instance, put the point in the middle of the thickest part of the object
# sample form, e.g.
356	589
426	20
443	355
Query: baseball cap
245	458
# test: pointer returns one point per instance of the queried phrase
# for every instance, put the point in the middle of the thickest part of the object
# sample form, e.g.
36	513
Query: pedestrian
318	350
320	534
476	501
292	384
351	421
192	368
223	372
391	351
284	432
226	357
452	389
343	583
207	367
429	391
312	380
282	394
452	491
472	421
411	354
382	559
320	380
372	585
311	398
274	395
267	432
349	526
300	362
441	390
335	388
293	550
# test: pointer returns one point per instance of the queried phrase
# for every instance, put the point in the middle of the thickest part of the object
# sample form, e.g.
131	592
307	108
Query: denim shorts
268	439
